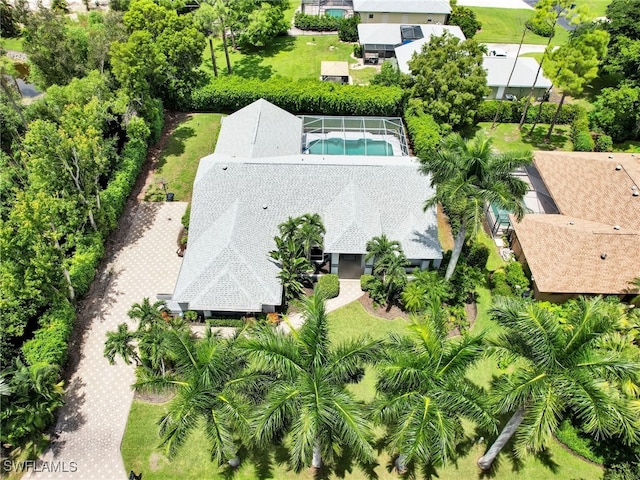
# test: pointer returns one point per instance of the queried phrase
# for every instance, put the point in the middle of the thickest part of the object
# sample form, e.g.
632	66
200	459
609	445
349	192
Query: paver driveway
92	422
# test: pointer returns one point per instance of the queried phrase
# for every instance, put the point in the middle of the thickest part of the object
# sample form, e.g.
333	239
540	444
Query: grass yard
194	138
11	44
506	136
598	8
504	25
628	146
291	57
363	76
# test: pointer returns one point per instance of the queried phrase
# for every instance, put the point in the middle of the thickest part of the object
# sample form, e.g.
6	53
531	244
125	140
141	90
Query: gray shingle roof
226	265
259	130
402	6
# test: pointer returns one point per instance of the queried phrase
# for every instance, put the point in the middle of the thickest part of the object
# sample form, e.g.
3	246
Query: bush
348	29
604	143
477	255
328	286
365	282
570	436
82	269
583	142
539	27
424	132
50	343
318	23
466	19
464	281
499	285
186	216
228	94
190	316
225	322
515	276
511	112
357	50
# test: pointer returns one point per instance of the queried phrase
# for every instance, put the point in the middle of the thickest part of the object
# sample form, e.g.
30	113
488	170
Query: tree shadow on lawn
250	66
176	144
537	139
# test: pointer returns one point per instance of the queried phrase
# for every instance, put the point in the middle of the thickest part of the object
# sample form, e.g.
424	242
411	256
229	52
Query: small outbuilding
337	72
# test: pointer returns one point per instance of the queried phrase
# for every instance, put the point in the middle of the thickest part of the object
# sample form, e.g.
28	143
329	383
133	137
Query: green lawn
291	57
504	25
506	136
597	8
12	44
194	138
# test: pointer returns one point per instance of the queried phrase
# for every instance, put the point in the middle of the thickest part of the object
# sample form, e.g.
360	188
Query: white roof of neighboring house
405	52
238	203
499	68
402	6
390	33
259	130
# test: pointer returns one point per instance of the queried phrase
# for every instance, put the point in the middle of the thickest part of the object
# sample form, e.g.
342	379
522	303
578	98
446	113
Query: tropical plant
635	286
380	247
423	392
391	268
414	297
467	175
120	343
207	374
307	401
147	313
579	369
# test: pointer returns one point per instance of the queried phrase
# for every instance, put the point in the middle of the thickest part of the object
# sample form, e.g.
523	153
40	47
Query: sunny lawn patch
291	57
12	44
506	136
193	139
504	25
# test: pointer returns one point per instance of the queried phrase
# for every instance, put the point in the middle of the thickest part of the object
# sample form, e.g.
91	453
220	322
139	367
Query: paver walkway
91	425
349	291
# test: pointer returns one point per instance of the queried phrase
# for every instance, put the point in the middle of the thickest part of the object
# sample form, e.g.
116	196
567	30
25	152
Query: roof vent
603	256
636	193
571	223
616	227
224	167
618	167
610	156
264	206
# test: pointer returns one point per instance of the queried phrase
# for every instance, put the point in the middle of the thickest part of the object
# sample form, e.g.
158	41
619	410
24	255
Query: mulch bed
388	313
150	397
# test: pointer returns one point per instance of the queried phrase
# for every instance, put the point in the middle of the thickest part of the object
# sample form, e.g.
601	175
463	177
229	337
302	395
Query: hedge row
328	286
511	112
228	94
581	134
568	435
317	23
51	341
423	131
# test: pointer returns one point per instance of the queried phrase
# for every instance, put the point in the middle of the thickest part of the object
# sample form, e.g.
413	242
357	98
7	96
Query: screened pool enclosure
353	136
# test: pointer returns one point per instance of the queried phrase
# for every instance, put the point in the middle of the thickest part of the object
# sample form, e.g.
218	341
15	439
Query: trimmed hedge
511	112
228	94
317	23
328	286
569	436
50	343
580	133
604	143
366	281
225	322
84	262
423	131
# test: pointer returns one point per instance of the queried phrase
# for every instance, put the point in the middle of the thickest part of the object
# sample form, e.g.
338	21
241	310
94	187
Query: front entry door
350	266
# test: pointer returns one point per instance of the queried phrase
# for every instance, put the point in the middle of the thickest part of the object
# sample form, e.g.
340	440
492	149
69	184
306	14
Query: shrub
273	318
604	143
348	29
424	132
464	281
568	435
466	19
499	285
190	316
225	322
328	286
82	268
477	255
50	343
377	291
186	216
318	23
511	112
580	133
228	94
539	27
583	142
515	276
357	50
365	282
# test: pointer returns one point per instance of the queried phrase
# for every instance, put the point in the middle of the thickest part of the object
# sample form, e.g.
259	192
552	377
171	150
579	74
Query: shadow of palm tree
176	143
537	137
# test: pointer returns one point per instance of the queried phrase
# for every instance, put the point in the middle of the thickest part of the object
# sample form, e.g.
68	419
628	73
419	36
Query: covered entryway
350	266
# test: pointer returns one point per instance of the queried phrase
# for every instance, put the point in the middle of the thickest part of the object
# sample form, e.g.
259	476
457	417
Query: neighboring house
337	72
379	40
259	176
333	8
592	246
498	71
403	11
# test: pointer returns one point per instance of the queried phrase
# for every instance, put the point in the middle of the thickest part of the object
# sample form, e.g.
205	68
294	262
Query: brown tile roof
564	251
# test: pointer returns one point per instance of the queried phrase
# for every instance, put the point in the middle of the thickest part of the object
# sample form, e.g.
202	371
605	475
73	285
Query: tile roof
402	6
599	216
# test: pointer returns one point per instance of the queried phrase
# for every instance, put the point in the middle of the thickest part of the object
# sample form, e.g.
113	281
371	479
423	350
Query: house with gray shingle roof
258	176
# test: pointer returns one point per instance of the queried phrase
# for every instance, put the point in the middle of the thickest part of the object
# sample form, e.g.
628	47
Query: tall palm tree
206	372
391	268
577	368
120	343
147	313
307	399
380	247
423	393
467	175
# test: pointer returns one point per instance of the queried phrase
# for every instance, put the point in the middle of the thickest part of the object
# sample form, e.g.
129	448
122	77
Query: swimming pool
335	12
362	146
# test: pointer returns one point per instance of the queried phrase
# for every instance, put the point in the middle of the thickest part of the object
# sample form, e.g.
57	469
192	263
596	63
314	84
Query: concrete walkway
512	48
349	291
91	425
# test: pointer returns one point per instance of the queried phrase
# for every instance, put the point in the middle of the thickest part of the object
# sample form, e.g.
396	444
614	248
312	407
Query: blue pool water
335	12
362	146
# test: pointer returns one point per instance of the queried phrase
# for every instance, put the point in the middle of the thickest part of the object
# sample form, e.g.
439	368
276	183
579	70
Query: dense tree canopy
450	81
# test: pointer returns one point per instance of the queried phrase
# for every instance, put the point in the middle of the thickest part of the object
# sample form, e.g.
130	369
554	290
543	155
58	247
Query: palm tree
468	175
391	268
635	287
206	372
414	297
380	247
423	392
293	264
307	399
577	368
120	343
146	313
